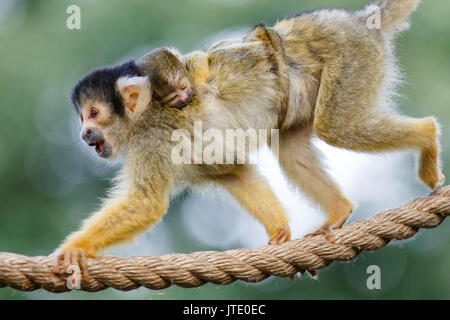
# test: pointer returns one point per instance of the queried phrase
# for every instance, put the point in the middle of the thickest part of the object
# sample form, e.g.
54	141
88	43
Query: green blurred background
47	183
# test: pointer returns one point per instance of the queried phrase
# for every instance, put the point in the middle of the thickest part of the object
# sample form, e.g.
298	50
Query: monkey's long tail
394	13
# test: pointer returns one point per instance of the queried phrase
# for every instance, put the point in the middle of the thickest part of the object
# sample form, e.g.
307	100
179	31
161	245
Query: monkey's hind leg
254	194
301	163
350	119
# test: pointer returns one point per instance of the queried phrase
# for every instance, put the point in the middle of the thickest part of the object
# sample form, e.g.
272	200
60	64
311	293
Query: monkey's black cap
100	84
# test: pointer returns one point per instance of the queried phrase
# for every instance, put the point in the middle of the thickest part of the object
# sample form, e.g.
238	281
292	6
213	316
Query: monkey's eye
93	114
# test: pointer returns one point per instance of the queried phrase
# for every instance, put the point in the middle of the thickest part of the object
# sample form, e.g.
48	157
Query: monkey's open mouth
100	148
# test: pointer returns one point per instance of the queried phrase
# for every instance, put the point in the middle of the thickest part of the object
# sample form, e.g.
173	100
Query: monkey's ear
136	94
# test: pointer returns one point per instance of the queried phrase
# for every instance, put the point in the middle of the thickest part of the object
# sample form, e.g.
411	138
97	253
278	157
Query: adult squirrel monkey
323	72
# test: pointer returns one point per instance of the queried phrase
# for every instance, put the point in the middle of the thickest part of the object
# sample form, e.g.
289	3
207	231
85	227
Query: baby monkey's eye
93	114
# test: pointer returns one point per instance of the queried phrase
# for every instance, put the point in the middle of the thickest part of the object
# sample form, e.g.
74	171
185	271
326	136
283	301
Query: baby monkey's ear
136	94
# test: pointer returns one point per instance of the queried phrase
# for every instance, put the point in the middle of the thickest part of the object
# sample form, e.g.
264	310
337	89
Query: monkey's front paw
283	236
67	258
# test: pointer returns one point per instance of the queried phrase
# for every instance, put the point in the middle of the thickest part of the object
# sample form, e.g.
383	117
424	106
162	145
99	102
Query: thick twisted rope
195	269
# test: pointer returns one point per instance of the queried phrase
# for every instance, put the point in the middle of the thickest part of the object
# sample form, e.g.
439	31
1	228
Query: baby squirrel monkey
169	78
324	73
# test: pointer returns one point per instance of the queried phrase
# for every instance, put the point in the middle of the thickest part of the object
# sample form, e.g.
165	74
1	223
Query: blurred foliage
47	185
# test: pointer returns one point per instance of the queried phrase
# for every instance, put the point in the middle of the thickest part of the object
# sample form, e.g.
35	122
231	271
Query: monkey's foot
335	221
313	273
431	176
327	231
71	261
441	180
283	236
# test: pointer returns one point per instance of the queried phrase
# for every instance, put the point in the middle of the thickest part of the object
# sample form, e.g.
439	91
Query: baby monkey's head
109	101
169	78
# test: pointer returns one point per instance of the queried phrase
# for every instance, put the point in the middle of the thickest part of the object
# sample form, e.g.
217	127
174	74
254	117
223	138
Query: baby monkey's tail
394	13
